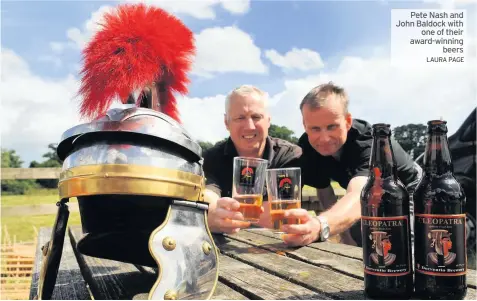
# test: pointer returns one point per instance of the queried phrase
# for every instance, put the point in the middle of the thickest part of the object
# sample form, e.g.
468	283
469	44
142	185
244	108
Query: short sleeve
311	173
360	157
290	155
407	169
314	178
213	186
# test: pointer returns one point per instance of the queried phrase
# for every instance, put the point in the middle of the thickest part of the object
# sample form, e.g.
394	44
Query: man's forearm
344	213
348	209
211	197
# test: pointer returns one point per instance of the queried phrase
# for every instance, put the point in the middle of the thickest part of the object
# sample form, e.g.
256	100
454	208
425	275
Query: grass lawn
23	227
33	197
308	191
22	200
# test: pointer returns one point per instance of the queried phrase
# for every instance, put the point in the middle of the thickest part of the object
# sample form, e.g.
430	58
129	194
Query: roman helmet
136	172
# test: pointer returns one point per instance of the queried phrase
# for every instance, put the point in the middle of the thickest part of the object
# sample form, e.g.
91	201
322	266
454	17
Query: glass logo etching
247	176
285	187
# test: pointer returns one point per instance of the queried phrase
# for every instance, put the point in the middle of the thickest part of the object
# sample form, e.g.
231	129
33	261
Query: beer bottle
440	247
385	224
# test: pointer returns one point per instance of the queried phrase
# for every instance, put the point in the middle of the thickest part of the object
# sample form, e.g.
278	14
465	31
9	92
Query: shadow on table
65	288
222	242
128	285
348	295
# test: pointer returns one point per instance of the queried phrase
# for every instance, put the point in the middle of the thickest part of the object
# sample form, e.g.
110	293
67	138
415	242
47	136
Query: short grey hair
245	90
317	96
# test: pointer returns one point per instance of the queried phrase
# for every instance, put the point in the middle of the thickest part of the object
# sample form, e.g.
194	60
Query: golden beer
250	206
277	212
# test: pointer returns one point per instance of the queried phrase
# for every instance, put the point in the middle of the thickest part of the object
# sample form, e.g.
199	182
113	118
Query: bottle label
440	246
386	245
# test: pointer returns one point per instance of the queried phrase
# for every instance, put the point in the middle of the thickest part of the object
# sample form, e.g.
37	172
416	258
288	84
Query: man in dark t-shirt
337	147
219	161
352	160
247	120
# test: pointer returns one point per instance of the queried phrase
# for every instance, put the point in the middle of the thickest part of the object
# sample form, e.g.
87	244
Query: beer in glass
248	184
284	193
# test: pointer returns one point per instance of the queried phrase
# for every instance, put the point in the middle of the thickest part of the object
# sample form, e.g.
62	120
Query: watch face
326	232
325	229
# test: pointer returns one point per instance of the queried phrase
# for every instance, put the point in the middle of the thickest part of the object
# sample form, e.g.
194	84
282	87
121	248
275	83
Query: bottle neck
437	158
383	158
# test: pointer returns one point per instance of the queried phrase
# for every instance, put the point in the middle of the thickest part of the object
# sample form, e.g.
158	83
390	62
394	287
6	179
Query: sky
282	47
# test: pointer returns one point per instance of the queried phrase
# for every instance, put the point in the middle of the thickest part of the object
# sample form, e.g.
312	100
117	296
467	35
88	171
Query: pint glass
284	192
248	183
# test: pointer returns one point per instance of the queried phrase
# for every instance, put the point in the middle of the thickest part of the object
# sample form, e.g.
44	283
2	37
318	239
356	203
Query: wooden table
253	264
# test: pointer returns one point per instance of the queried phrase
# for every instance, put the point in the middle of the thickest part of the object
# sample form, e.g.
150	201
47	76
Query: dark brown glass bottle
439	225
385	224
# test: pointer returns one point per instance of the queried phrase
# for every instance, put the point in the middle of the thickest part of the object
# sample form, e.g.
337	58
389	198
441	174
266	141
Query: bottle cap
381	129
437	127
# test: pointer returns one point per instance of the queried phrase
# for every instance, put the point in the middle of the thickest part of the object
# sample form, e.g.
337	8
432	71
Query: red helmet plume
139	48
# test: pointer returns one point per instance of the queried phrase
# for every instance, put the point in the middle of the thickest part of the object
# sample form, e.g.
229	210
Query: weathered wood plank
223	292
335	248
249	268
258	284
317	279
471	294
70	284
472	279
114	280
30	173
346	251
348	266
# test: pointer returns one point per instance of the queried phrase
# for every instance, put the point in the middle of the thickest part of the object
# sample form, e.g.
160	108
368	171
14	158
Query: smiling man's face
327	127
248	122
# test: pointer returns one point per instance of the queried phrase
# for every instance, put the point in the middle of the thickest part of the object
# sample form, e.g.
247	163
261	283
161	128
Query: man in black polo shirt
247	120
337	147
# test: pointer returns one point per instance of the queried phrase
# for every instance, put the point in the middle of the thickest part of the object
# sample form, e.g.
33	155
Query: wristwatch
324	229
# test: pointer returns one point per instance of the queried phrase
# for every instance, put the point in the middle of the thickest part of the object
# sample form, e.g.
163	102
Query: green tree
220	141
282	132
11	160
52	160
205	145
52	155
412	138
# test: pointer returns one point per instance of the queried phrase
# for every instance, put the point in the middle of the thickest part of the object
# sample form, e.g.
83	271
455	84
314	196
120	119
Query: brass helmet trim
130	179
